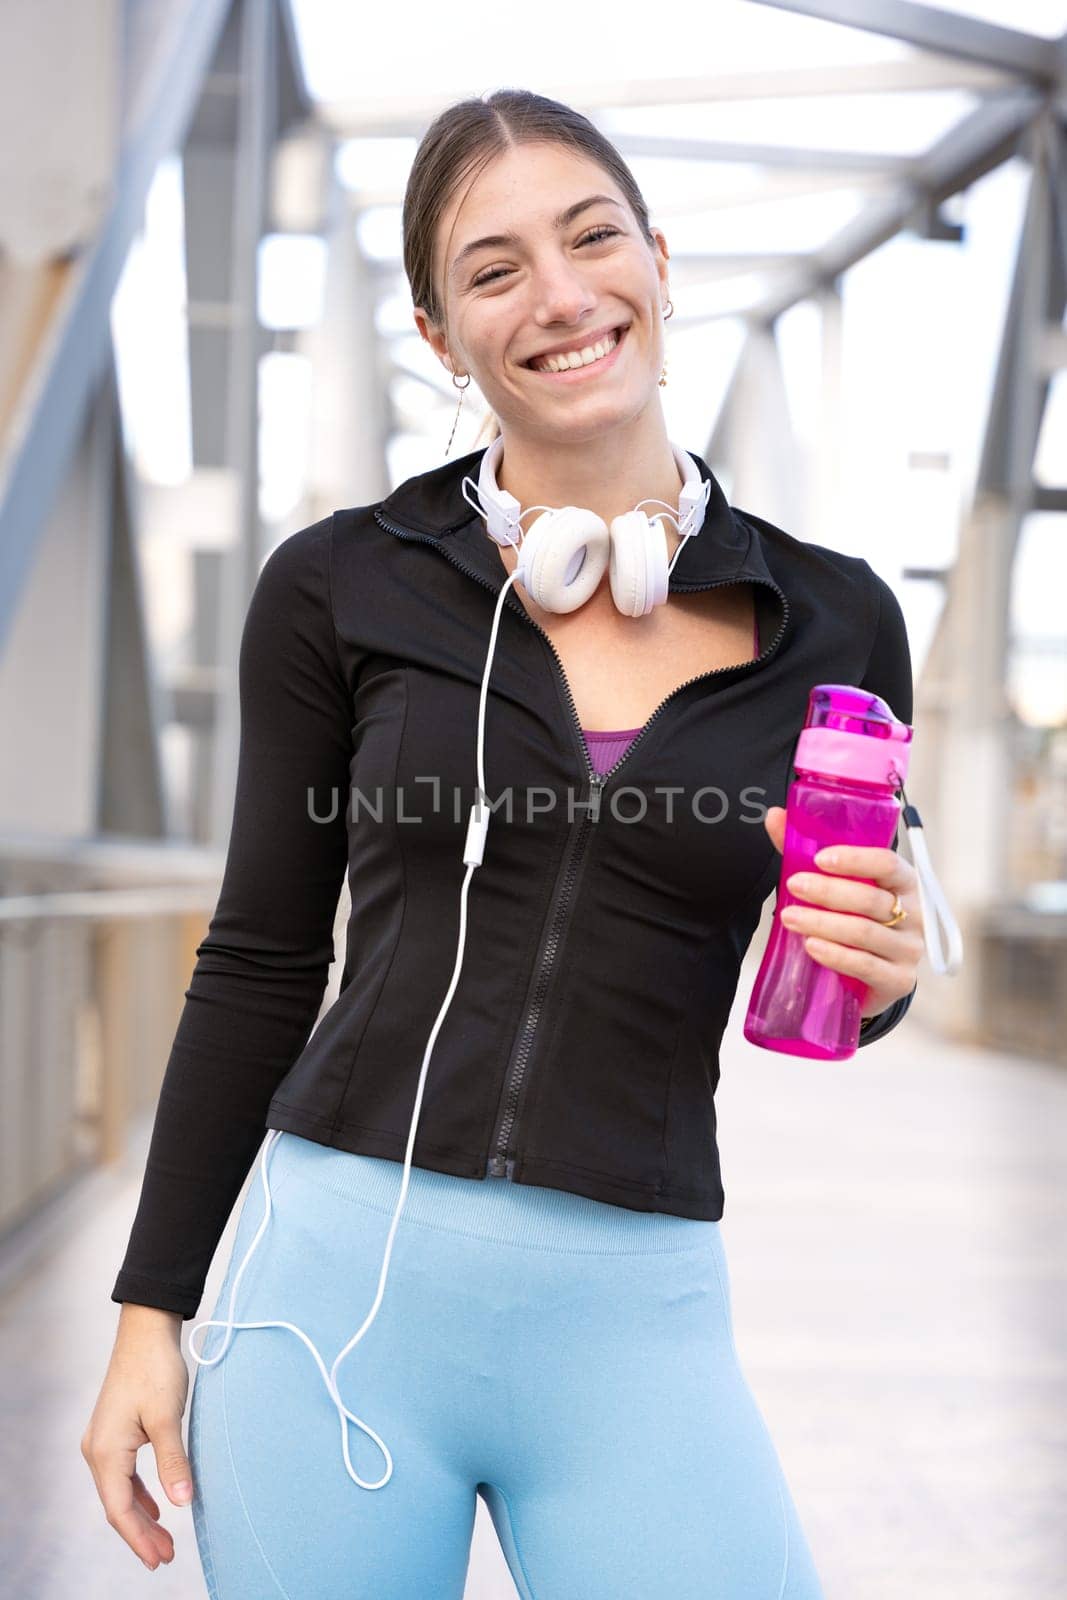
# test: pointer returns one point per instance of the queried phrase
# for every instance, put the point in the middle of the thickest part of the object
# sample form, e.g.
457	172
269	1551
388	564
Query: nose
562	295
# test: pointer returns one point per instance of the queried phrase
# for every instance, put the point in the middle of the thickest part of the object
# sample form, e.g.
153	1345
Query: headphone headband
502	511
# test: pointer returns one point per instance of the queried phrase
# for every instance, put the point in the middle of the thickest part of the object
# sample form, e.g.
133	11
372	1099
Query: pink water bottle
850	760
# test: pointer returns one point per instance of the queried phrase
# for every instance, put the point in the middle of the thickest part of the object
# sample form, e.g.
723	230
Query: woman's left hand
843	922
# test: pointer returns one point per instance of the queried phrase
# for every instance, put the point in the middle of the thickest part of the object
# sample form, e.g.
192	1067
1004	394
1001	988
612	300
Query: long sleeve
889	675
261	970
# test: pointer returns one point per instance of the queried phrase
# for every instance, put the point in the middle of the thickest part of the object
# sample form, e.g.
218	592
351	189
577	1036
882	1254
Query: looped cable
685	527
472	855
477	506
514	525
328	1378
930	890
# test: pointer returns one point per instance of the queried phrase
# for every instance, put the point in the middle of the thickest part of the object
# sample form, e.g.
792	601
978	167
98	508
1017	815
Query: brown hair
462	140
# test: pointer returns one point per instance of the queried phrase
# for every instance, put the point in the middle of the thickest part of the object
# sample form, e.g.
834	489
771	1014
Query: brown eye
592	237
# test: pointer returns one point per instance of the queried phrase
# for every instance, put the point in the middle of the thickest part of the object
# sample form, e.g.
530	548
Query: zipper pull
596	789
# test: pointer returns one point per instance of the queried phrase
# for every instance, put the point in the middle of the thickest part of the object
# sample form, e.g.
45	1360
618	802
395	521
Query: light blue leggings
571	1361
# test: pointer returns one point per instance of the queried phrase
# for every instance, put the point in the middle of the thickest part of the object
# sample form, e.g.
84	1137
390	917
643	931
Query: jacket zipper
500	1164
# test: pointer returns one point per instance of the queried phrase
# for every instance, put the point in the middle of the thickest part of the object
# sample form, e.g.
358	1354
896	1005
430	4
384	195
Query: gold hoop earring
462	387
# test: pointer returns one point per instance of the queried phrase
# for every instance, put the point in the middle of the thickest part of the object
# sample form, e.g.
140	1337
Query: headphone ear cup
638	563
563	556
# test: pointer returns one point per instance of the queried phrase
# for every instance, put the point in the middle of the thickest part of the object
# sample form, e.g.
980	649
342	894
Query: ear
434	337
663	255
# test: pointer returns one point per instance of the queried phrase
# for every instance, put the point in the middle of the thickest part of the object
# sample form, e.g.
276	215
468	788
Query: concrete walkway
895	1232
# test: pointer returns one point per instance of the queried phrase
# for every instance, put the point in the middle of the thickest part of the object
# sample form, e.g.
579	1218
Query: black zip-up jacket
606	923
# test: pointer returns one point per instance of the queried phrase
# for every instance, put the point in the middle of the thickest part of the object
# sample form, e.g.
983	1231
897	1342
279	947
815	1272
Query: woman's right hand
141	1401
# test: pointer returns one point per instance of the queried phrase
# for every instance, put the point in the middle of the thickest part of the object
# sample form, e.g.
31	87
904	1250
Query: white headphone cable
473	850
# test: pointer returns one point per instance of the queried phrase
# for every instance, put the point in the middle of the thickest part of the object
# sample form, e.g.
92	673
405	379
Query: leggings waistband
498	1209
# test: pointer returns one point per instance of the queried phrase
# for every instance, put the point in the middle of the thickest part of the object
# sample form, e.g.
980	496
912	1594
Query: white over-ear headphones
563	554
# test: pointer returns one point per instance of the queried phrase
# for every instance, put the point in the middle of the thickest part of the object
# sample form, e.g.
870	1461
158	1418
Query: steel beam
1038	61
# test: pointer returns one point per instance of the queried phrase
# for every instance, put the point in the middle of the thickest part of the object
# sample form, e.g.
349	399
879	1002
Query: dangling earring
462	387
666	314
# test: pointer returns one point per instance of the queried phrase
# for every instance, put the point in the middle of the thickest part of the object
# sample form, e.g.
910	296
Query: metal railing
92	983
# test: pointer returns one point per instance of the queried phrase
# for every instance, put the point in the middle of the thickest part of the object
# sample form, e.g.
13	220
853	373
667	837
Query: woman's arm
262	967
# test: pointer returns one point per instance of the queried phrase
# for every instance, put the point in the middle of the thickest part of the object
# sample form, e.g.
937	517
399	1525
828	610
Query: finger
846	894
893	946
887	976
866	861
871	969
145	1537
774	822
144	1496
172	1463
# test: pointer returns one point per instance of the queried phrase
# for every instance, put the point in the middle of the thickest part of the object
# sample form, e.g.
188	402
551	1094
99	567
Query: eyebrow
512	238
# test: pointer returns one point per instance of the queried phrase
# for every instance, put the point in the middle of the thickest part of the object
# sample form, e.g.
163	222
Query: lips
619	333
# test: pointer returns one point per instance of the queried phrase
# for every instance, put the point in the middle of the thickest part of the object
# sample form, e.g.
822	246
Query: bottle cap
851	733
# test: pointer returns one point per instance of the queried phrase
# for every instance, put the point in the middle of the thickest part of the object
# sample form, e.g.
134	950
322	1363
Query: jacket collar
432	503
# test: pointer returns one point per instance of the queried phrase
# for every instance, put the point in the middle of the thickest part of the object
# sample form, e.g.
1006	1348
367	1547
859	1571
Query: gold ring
898	914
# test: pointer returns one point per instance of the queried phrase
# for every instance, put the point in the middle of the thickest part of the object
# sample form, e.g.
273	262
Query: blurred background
207	342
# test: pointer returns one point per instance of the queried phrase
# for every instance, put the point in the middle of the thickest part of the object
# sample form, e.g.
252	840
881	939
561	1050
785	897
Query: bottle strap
930	892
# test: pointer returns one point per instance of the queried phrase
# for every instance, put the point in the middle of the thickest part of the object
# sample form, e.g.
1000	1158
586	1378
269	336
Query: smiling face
557	274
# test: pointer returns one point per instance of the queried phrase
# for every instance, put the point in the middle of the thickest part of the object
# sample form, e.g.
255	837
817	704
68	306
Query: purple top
606	746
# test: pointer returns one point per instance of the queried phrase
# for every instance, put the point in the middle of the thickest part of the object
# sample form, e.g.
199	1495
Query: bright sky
922	319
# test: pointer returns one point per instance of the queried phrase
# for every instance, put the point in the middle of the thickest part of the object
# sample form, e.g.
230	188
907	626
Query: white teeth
576	358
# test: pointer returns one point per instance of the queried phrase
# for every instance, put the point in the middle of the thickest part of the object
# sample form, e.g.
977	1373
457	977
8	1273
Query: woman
558	1340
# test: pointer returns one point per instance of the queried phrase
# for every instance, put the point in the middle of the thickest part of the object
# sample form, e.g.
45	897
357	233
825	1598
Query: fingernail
825	858
183	1490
